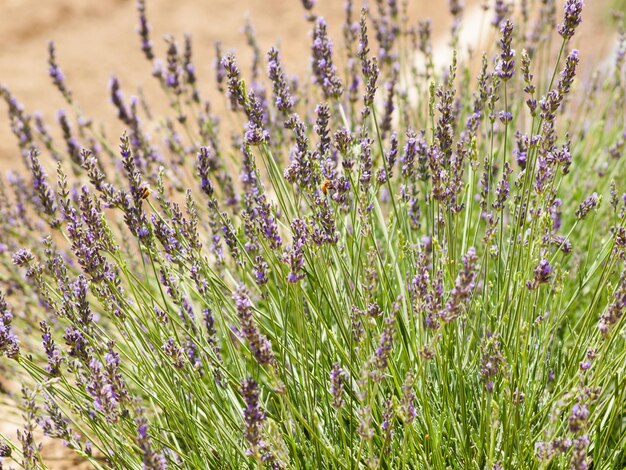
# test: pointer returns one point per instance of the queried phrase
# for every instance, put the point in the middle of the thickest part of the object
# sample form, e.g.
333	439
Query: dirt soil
95	39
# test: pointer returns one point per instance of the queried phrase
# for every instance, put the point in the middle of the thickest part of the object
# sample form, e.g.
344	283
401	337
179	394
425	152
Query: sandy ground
96	39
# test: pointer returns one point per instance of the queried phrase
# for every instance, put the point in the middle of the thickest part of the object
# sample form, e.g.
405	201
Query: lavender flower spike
253	416
572	18
492	360
144	30
506	64
8	340
56	74
541	275
587	205
324	70
41	186
52	352
282	95
295	257
337	378
463	288
152	460
260	346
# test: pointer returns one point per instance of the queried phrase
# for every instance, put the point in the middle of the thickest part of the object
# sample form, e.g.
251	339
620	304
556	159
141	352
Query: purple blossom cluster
572	18
324	70
295	256
260	346
254	417
492	361
9	345
338	378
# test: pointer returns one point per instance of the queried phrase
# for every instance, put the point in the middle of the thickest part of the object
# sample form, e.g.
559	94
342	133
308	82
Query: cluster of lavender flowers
384	265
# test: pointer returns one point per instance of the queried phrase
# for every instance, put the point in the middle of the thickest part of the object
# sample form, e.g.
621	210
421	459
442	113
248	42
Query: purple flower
282	96
302	168
366	164
53	353
380	360
338	377
84	315
616	308
172	74
578	417
260	346
253	416
220	70
571	19
152	460
322	130
77	344
175	353
407	159
42	188
103	392
118	101
206	162
587	205
506	64
324	70
267	222
21	122
541	275
543	271
492	360
568	73
23	257
391	89
8	341
387	425
56	74
528	80
255	134
295	256
562	243
407	403
236	91
5	450
501	10
505	117
369	67
503	188
425	33
579	460
463	288
260	270
188	67
323	221
144	30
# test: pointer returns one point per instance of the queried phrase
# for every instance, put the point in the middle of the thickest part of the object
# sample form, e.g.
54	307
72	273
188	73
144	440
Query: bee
144	190
325	185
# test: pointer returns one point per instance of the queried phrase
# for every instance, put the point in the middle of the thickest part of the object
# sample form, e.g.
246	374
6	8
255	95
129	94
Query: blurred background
95	40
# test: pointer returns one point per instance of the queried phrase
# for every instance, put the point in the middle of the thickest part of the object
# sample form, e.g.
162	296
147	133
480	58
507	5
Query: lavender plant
391	266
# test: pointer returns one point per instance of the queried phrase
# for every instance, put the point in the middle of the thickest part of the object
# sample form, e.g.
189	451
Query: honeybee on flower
325	185
144	190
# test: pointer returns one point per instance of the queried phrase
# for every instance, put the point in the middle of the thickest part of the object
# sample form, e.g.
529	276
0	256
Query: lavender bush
389	266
